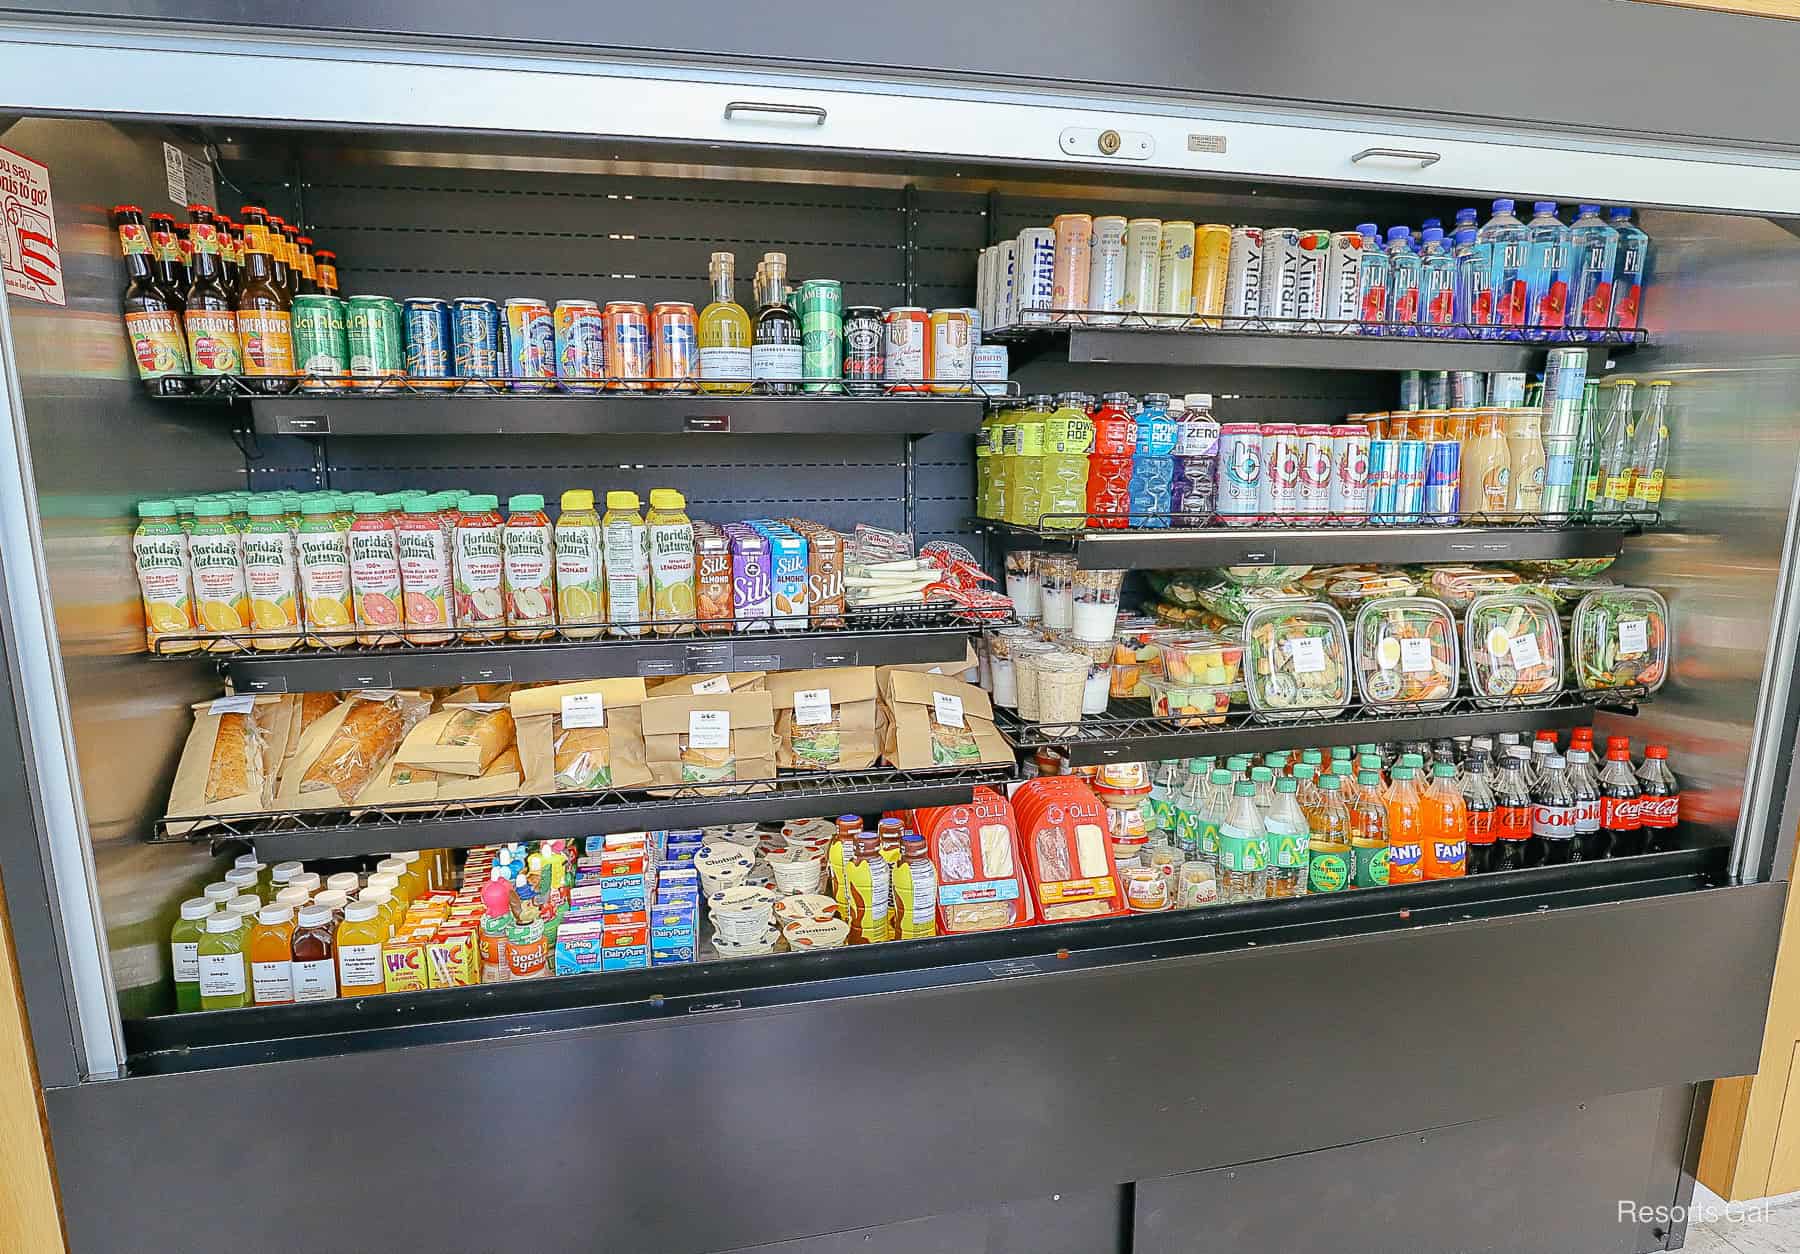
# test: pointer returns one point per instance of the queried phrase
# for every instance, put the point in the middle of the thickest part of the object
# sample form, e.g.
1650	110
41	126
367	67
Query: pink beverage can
1280	274
628	354
1243	275
1343	274
1240	474
531	336
1074	257
1309	291
1280	495
1314	494
1349	472
1034	274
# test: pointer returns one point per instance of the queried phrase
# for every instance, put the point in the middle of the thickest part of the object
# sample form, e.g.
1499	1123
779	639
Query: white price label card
1308	653
812	707
1415	655
709	729
583	709
1634	636
712	686
1524	651
241	703
947	709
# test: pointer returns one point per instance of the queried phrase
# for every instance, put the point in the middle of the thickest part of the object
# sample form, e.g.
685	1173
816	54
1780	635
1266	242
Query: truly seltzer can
1106	269
1175	272
1034	281
1309	289
1343	273
1243	275
1280	273
1143	263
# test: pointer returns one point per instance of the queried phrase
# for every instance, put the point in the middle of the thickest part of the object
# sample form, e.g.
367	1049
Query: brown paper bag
711	684
504	777
555	758
460	739
232	758
913	738
347	750
845	738
748	723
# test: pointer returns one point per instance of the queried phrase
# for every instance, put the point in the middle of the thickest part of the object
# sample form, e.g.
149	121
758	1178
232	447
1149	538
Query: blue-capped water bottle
1547	272
1593	253
1474	288
1437	285
1403	280
1372	281
1506	239
1634	265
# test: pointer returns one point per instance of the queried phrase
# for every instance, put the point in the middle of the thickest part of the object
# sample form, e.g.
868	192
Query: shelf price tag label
241	703
1415	655
1524	651
709	729
712	685
812	707
1634	636
947	709
1308	653
583	709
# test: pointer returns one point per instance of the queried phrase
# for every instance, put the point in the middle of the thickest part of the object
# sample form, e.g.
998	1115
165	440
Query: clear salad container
1298	662
1458	586
1352	590
1262	576
1406	652
1619	638
1513	646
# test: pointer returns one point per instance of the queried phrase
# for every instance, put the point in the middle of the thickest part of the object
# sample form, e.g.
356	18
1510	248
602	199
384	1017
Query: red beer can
908	349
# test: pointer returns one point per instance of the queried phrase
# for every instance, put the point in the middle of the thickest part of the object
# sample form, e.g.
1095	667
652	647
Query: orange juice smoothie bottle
1446	826
423	551
160	549
359	937
418	871
375	573
271	947
530	568
391	910
1406	829
221	601
403	887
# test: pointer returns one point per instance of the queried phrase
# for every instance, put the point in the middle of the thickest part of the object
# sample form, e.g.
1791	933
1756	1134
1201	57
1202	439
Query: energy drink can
1468	389
675	346
531	343
1240	474
1384	481
1243	275
1412	389
1409	481
1314	495
1343	274
1280	496
1106	269
1314	275
1175	272
1437	389
1443	481
1349	472
1212	258
1280	274
1143	263
1506	389
1074	255
429	341
628	354
476	335
580	345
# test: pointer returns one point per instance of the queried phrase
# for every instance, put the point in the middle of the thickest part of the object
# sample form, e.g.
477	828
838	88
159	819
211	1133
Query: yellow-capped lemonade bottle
625	547
670	534
580	590
159	549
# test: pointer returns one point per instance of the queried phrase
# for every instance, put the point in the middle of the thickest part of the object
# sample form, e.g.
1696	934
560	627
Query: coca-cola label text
1553	822
1660	812
1622	814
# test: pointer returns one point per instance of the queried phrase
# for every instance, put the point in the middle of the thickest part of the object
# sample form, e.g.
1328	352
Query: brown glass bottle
256	228
265	324
325	265
184	244
290	235
212	335
309	268
165	258
231	254
278	253
152	319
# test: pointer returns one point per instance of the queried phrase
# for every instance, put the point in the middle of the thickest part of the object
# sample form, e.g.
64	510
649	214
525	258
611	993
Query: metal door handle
792	110
1403	154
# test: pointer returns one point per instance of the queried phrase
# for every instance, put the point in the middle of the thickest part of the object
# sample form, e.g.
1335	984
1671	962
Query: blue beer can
476	340
1443	481
1409	481
1384	464
429	340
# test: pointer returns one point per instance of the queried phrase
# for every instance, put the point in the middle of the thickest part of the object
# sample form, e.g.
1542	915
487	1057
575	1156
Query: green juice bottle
184	951
224	975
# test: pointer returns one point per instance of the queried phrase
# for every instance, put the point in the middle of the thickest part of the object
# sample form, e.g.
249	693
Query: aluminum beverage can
1280	496
1106	270
1212	258
906	348
865	345
531	345
1409	481
1565	386
1034	281
1175	271
1310	289
1559	476
1383	480
580	345
1243	275
984	278
975	325
1506	389
952	351
1314	495
1240	474
1343	272
991	369
1437	389
629	361
1074	255
1143	263
1443	481
321	351
1349	472
820	305
430	343
1006	276
1280	274
1468	389
1412	389
675	346
373	335
476	334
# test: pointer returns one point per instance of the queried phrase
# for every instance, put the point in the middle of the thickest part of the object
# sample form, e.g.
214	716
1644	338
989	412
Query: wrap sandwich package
581	737
349	748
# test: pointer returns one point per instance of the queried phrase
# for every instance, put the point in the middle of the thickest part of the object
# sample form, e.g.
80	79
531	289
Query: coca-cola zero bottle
1553	813
1620	818
1478	798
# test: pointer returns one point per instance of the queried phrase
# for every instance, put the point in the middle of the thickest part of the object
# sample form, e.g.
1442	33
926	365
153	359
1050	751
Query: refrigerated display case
1106	1084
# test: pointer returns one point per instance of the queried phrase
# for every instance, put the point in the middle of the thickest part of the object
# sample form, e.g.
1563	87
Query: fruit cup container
1406	653
1189	704
1299	659
1201	658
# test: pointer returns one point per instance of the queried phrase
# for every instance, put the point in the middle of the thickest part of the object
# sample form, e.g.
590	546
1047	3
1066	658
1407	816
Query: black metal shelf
1483	539
305	834
868	639
1128	732
1294	343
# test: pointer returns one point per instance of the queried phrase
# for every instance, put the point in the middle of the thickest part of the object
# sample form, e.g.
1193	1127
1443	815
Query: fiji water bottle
1403	280
1437	285
1506	239
1153	463
1634	263
1372	283
1474	285
1547	273
1593	251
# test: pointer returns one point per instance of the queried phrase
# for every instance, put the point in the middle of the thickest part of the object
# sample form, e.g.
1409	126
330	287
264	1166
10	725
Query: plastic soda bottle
580	598
479	555
1243	848
1404	277
626	550
1372	282
1659	800
375	573
424	554
1214	803
1368	833
1263	779
1406	828
1289	837
496	923
1650	450
1437	283
223	972
1068	440
1628	280
1547	271
1584	785
1445	826
670	534
1593	254
1160	806
215	552
159	548
1330	861
1507	241
1478	801
1553	813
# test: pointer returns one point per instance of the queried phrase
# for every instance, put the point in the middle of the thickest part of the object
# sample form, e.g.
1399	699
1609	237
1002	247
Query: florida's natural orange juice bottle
221	600
269	573
160	550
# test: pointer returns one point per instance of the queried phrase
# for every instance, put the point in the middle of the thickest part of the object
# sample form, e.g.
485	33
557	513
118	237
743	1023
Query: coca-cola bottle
1620	818
1541	751
1590	842
1512	814
1659	800
1478	798
1582	738
1553	813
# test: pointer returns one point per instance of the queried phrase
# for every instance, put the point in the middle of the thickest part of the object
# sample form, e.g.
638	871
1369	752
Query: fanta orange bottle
1446	826
1406	829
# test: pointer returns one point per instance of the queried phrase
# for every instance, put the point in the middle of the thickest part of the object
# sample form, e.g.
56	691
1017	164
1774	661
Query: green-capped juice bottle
159	549
221	600
269	574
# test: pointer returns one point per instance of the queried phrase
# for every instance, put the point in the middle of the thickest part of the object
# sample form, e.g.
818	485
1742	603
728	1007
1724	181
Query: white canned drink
1280	273
984	282
1280	496
1143	262
1175	271
1506	389
1034	267
976	323
952	354
1343	274
1006	272
1106	270
1309	290
907	348
1074	249
1240	474
1349	472
1314	494
1243	275
990	369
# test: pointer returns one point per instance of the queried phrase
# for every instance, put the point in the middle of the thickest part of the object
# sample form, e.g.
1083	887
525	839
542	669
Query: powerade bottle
1634	264
1196	462
1110	464
1507	240
1153	463
1063	473
1437	285
1547	273
1593	252
1372	282
1024	492
1404	275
